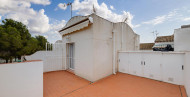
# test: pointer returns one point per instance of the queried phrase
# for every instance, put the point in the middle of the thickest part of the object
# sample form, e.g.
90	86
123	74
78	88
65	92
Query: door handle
144	62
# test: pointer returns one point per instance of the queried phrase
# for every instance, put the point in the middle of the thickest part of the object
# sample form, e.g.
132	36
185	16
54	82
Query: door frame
70	54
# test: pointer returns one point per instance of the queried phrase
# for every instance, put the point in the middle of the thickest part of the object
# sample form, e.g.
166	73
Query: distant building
164	39
182	38
162	42
146	46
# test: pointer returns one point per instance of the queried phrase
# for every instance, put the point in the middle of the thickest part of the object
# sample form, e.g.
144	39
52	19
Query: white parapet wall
170	67
21	79
40	55
53	60
162	66
187	73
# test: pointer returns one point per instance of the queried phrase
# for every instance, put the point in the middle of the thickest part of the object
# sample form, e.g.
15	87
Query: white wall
83	54
102	48
162	66
181	39
40	55
187	73
54	63
53	60
125	39
21	79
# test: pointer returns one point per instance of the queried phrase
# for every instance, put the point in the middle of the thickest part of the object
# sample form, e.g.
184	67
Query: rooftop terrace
66	84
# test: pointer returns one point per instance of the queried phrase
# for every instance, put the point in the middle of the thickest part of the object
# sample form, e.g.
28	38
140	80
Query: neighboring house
162	42
91	43
163	39
146	46
182	39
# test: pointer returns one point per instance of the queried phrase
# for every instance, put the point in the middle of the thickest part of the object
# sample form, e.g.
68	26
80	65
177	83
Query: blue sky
46	17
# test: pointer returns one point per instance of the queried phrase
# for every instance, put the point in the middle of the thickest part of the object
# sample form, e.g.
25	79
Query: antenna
71	7
65	5
155	34
94	10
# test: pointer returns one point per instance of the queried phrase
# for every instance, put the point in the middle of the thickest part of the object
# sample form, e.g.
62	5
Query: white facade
187	73
96	43
182	39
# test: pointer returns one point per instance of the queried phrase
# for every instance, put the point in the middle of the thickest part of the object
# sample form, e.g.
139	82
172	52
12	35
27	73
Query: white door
152	65
135	64
70	55
131	63
173	68
124	62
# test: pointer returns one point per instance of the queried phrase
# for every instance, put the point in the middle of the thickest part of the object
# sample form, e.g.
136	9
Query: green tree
15	40
10	42
41	42
23	31
4	44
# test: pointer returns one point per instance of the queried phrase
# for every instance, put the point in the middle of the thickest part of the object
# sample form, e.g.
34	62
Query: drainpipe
65	54
121	36
113	51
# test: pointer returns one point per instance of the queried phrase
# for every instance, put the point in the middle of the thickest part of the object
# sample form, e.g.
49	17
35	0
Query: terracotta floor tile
59	83
64	84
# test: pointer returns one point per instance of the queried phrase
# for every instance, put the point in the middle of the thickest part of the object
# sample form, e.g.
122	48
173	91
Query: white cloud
43	2
161	19
53	33
20	10
56	26
37	21
62	6
138	25
111	7
156	20
0	17
186	19
85	7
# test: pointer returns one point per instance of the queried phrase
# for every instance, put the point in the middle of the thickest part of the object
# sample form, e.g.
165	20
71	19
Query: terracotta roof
146	46
165	39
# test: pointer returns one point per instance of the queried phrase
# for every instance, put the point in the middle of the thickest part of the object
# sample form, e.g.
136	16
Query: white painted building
182	39
91	43
94	48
